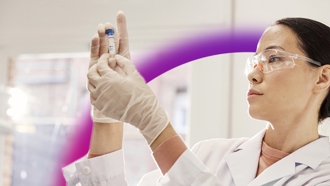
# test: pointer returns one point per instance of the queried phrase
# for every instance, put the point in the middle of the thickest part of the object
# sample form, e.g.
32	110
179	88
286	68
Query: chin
256	114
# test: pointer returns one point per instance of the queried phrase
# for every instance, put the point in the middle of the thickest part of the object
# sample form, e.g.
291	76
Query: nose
255	76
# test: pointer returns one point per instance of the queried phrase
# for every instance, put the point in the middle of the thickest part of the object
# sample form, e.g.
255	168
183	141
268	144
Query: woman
290	71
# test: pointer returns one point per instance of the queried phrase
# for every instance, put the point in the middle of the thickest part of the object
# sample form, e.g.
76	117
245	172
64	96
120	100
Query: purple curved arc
176	54
155	64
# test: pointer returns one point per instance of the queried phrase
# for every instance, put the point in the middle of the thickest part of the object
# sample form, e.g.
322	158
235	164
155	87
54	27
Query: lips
253	92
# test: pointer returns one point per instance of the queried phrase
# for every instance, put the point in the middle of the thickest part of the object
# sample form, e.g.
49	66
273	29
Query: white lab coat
216	162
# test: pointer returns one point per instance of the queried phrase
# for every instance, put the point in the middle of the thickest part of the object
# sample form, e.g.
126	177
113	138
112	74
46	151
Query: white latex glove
126	97
100	45
98	117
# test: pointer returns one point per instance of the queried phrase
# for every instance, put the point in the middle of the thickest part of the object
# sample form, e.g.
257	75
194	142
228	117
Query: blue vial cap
109	32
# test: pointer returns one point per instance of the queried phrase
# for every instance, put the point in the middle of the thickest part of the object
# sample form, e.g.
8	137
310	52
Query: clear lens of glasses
269	60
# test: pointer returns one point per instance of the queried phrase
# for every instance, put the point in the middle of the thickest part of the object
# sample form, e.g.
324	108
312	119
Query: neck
290	136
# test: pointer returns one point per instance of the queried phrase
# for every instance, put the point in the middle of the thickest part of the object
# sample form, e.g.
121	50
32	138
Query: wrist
106	138
166	134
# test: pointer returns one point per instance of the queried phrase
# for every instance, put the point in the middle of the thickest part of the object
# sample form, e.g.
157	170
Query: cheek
278	85
288	88
278	92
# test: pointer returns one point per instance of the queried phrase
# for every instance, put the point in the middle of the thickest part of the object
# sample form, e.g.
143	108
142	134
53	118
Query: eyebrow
273	47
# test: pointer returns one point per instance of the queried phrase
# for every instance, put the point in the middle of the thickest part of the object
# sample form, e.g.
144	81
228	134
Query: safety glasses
270	60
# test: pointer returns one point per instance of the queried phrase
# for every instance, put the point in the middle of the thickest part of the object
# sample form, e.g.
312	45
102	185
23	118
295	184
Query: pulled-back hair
314	41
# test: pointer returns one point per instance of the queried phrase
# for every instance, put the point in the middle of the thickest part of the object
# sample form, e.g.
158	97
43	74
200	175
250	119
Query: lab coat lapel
280	169
243	162
311	155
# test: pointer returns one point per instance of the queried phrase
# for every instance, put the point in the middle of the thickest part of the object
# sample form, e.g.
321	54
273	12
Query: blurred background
44	58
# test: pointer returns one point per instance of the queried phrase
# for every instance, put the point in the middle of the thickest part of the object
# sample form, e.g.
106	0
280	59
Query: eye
274	58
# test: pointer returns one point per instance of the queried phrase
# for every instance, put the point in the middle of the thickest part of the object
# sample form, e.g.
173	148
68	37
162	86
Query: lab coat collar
313	153
310	155
243	162
254	142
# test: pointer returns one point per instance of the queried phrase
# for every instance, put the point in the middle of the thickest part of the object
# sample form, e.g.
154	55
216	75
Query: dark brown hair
314	41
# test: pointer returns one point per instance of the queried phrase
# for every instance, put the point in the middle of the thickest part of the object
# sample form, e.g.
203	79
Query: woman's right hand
107	138
100	45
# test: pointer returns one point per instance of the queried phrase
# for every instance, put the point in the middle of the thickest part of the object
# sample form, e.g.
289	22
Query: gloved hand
126	97
100	45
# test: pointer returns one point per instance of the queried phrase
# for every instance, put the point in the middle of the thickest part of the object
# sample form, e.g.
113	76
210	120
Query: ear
323	82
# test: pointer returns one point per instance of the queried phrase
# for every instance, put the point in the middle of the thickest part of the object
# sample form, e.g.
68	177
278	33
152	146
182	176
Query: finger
116	36
93	76
120	71
125	64
94	53
92	99
103	40
90	87
95	43
94	91
123	35
102	66
112	63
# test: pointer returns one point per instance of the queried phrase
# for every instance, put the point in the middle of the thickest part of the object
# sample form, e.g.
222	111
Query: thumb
126	65
102	65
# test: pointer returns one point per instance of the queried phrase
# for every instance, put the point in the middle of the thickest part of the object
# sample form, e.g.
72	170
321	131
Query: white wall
209	92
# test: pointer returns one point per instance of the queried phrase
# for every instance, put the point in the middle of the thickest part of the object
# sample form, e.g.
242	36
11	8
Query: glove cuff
98	117
153	130
104	120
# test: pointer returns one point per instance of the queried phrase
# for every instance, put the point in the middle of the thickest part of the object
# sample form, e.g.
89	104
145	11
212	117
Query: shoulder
317	170
324	166
319	176
211	152
218	144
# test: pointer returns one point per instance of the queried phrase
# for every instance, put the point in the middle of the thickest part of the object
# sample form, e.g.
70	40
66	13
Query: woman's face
284	93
